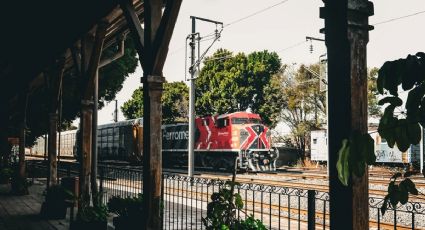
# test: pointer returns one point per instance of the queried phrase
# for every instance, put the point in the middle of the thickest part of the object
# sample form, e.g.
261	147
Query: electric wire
399	18
255	13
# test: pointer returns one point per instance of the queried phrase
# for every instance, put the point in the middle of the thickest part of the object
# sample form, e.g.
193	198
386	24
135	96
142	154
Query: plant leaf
414	133
343	163
384	206
402	139
395	101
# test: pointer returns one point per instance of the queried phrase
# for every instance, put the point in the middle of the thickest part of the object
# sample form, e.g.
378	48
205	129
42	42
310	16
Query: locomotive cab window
254	121
238	121
223	122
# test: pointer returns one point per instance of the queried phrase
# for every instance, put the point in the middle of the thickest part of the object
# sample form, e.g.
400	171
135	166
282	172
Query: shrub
92	214
126	207
221	211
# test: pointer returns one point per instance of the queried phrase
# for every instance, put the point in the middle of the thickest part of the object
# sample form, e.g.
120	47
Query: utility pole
193	66
116	111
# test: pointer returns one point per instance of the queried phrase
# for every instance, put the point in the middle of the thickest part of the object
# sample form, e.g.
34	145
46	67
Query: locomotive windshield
239	121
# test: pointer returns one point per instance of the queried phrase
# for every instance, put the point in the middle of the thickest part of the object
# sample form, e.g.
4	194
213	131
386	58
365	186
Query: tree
305	104
174	103
228	83
372	94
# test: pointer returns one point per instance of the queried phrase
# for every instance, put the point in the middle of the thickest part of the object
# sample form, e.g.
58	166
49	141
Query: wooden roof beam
135	28
164	33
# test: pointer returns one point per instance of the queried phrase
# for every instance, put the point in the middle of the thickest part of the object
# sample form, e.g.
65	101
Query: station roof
34	33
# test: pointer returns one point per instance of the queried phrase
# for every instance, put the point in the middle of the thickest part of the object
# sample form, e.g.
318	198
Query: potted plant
91	218
19	184
5	175
54	207
128	210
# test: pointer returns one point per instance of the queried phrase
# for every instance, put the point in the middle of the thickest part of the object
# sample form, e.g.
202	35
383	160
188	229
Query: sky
282	29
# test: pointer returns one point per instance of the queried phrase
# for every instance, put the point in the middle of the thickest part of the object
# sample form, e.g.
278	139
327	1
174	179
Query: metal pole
116	111
311	207
191	143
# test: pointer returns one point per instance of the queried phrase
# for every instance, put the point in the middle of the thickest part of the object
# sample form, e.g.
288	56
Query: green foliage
131	207
303	104
221	211
398	191
240	82
354	155
5	174
174	103
19	184
405	130
374	109
410	74
343	161
112	76
92	214
250	223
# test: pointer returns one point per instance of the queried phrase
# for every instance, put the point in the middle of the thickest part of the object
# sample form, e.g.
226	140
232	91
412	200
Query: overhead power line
398	18
255	13
292	46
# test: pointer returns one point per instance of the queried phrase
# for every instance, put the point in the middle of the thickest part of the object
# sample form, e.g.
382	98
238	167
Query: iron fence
185	200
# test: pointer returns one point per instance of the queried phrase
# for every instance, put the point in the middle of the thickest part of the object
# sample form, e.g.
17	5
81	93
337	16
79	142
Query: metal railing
185	201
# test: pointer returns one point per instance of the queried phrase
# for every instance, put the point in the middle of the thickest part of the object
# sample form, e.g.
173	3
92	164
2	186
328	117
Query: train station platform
22	212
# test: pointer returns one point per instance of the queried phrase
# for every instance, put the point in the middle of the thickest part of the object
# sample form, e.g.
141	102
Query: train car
66	143
220	141
121	141
384	154
115	141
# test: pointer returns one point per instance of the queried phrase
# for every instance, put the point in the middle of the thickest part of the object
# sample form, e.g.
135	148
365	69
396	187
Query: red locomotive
220	140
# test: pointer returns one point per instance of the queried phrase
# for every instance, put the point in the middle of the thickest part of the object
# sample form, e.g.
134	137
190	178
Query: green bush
5	175
221	212
131	207
92	214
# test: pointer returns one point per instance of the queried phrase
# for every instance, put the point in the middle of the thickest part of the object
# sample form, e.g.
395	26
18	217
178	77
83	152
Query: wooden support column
346	35
55	80
52	147
4	121
91	52
152	46
152	157
86	141
358	37
22	150
94	187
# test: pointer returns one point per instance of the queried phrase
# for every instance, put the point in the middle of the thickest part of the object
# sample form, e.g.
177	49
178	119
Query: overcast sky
278	28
